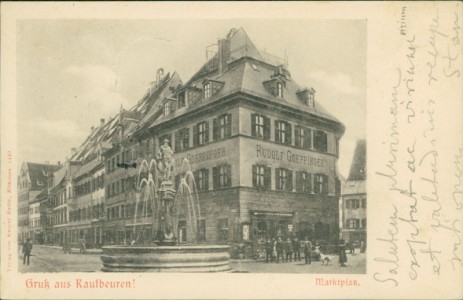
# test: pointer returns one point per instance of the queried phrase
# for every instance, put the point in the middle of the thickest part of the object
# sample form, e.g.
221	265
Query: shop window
261	176
320	141
201	133
303	137
201	230
222	127
182	139
260	126
222	230
321	184
303	182
202	179
283	132
222	176
283	179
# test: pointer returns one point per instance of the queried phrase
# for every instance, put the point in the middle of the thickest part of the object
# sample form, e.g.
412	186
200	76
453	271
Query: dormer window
307	96
279	90
166	108
311	100
211	87
181	99
207	91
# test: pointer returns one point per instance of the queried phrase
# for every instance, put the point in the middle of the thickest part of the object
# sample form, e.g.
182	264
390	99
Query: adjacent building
354	198
32	182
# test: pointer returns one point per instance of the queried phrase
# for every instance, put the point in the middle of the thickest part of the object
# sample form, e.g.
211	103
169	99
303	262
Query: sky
72	73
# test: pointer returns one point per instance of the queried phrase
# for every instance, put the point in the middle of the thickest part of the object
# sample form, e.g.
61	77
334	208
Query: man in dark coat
289	250
268	250
279	247
307	251
297	249
27	249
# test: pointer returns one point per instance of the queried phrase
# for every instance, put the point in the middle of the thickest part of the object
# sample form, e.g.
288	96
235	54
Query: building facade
32	182
262	150
354	199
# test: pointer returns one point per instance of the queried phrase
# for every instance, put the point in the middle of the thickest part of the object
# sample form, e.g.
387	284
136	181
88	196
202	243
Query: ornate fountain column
166	195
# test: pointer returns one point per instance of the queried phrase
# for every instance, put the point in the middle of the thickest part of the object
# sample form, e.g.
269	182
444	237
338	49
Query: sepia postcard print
220	150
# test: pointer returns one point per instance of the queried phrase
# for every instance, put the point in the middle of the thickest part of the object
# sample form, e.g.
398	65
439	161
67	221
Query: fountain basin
194	258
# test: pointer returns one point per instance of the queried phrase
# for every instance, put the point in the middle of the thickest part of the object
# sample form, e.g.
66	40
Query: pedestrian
274	250
82	245
307	251
289	250
268	250
342	253
279	248
297	249
27	249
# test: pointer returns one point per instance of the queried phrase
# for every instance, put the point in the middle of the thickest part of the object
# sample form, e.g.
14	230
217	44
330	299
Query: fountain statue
158	204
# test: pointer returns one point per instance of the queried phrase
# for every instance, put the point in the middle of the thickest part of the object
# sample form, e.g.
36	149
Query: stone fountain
155	196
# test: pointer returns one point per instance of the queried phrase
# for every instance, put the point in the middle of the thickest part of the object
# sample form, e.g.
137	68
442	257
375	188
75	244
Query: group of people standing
287	250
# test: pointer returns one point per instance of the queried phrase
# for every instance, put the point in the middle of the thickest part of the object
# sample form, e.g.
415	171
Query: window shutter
215	129
277	178
229	175
267	177
206	132
325	185
186	138
310	183
229	124
178	139
215	177
266	128
298	181
254	175
277	131
195	136
290	180
289	133
297	137
253	124
206	174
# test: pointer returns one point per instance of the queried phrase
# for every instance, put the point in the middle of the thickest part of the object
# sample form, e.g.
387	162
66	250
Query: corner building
263	150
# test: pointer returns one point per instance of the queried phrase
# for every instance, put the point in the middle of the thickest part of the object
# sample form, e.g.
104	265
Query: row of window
116	188
23	210
221	178
356	223
86	213
356	203
24	197
34	210
304	137
90	186
305	182
34	223
60	217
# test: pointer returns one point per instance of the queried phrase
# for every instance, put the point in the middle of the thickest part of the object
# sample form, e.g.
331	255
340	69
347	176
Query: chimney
59	163
73	151
159	76
223	54
102	122
91	129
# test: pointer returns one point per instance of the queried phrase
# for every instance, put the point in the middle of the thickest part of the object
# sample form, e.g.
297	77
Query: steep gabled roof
38	174
358	168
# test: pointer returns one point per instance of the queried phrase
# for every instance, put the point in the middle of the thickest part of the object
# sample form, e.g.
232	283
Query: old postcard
231	150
